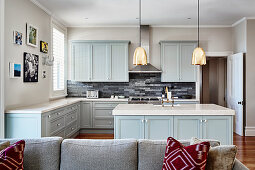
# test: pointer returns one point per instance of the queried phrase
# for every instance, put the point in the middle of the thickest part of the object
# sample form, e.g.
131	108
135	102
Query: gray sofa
54	153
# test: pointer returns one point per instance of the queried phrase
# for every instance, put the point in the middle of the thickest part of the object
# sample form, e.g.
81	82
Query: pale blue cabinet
100	61
81	61
129	127
176	60
170	62
188	72
204	127
143	127
158	127
86	115
186	127
218	127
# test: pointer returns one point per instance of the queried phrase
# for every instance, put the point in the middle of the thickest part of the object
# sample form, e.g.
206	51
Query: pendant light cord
198	23
140	22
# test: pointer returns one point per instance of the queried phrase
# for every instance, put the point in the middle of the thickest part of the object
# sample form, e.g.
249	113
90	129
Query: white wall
250	79
17	14
239	37
212	39
2	68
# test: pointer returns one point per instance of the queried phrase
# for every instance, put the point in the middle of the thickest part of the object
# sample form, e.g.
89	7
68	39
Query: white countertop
182	109
55	104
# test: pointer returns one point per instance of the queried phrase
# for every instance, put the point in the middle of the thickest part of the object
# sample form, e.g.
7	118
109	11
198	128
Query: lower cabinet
143	127
179	127
204	127
86	115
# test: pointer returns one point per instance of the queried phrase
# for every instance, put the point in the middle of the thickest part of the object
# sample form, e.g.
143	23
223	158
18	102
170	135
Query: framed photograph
15	70
17	37
43	47
31	67
32	35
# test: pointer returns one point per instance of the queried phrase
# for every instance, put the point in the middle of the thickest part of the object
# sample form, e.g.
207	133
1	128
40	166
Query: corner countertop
182	109
56	104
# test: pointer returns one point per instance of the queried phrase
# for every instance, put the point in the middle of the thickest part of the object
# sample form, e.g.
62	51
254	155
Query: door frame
2	5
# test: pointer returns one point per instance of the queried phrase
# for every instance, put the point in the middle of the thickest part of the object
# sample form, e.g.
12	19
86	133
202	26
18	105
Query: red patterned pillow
179	157
12	157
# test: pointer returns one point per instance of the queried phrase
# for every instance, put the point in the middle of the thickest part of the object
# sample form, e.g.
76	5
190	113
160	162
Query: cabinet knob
72	128
58	124
146	121
110	123
58	113
72	117
142	121
201	121
49	116
205	120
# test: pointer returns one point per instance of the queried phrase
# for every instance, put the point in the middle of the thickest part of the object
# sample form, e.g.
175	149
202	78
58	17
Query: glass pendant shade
198	57
140	56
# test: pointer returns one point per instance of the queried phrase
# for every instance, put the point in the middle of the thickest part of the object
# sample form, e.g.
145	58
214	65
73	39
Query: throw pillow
182	157
220	157
4	145
12	157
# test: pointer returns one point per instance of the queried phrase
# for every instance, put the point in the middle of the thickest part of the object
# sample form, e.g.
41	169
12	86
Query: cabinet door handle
201	121
146	121
142	121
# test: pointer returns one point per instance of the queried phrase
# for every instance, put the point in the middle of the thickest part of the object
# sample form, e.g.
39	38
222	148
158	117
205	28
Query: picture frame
17	37
32	35
31	67
44	47
14	70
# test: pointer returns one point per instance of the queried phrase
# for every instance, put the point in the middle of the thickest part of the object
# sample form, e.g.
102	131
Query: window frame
54	94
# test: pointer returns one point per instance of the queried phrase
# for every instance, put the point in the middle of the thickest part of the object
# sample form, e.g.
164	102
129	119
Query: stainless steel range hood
145	43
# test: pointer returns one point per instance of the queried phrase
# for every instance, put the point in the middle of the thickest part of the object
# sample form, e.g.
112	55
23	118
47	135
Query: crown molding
38	4
218	54
239	21
191	26
42	7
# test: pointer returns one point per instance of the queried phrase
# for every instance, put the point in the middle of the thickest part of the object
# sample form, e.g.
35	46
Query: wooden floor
245	145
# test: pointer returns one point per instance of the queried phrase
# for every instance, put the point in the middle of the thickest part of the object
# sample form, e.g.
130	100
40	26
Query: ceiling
82	13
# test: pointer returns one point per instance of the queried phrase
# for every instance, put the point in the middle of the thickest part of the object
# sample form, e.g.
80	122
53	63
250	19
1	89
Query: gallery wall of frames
30	61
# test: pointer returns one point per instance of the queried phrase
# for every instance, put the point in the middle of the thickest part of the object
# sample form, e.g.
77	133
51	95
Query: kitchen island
147	121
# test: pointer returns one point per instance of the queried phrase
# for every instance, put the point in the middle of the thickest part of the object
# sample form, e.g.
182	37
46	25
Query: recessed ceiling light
86	18
189	18
136	18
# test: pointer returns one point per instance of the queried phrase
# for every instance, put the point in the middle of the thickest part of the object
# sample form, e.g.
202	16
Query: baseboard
249	131
98	131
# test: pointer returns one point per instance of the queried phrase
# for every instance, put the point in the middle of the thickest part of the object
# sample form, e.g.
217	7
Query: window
58	51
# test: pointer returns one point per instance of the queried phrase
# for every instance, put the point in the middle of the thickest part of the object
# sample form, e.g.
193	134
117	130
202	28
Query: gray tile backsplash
138	85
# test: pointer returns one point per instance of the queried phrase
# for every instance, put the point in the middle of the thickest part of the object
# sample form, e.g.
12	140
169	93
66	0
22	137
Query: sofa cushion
4	145
220	157
151	153
178	156
41	154
12	157
98	154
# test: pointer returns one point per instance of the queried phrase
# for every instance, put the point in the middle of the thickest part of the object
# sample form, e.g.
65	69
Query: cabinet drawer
110	105
59	134
69	118
57	125
103	113
103	123
72	108
71	129
56	114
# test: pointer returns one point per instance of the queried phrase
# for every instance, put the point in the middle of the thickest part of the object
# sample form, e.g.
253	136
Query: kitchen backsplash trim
138	85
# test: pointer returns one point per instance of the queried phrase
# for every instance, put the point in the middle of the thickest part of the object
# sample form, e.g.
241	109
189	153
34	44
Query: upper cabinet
176	62
104	61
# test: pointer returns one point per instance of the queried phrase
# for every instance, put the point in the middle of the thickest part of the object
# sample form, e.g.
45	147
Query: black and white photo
31	66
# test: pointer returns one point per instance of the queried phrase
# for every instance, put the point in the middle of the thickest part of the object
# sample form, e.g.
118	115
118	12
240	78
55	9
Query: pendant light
140	56
198	57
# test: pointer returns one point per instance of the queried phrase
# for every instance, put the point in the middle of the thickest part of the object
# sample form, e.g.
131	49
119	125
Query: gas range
144	100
